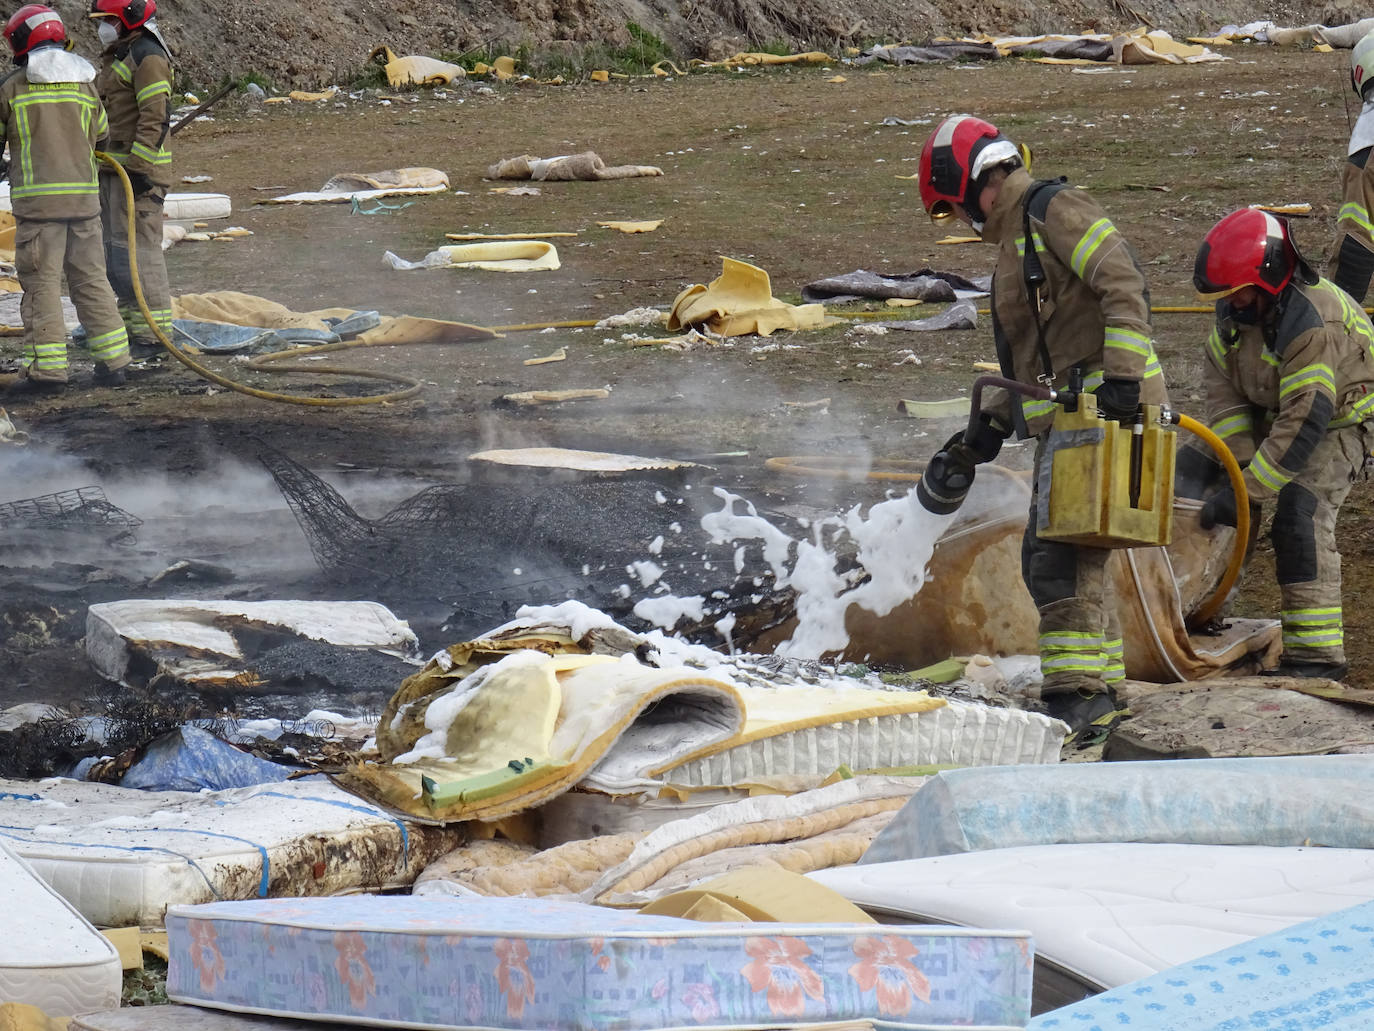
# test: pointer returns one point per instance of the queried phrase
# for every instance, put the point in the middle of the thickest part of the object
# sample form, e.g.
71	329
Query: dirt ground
782	168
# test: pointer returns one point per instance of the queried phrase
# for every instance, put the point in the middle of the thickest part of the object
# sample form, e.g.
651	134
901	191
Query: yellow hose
411	386
1228	579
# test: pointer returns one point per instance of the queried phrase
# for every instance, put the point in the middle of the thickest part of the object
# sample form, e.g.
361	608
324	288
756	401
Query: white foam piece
1113	913
196	207
50	956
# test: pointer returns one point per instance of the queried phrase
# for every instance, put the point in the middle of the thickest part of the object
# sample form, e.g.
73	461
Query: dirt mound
300	43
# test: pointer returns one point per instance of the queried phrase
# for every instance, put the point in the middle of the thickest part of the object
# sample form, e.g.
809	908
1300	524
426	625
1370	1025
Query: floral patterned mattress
487	963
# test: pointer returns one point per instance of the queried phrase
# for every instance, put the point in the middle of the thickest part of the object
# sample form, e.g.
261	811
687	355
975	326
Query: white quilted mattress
121	856
50	957
184	207
1113	913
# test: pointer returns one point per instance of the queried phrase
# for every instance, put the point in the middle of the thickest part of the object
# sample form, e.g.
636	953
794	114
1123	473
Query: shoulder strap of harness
1039	195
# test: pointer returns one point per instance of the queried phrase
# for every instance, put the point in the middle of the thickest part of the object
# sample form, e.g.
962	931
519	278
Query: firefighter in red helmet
50	116
1290	389
136	86
1068	299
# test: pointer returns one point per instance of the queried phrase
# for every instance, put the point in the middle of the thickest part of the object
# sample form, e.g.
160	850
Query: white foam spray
894	543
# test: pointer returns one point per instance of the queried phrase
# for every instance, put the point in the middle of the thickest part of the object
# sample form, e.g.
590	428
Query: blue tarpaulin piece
191	759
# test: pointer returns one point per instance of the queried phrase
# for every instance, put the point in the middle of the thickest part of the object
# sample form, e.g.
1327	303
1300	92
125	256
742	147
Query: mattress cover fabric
438	962
1112	913
121	856
1292	800
51	957
1312	975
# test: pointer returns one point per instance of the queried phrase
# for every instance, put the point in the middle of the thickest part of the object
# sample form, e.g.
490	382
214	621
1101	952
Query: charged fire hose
410	386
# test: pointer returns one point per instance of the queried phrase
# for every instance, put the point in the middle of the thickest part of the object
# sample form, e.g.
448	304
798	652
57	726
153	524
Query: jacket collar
1006	210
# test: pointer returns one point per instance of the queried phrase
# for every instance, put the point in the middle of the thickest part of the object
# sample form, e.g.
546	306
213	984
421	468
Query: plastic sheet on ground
738	302
1140	46
348	186
1310	975
1323	800
925	284
198	641
960	315
415	70
586	166
493	256
191	759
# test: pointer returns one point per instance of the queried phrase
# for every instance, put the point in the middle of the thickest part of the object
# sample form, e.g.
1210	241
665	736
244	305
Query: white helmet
1362	66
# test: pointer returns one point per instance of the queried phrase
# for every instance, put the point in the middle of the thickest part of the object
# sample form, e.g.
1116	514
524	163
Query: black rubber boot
1316	670
1079	709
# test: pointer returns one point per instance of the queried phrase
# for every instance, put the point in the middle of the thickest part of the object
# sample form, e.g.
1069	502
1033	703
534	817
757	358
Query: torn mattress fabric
348	186
492	727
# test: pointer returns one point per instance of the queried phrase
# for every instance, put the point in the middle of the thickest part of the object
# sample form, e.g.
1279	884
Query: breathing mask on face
1248	315
107	30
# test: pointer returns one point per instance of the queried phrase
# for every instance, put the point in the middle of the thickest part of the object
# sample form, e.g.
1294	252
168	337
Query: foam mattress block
50	956
1312	975
403	961
1111	913
1322	799
121	856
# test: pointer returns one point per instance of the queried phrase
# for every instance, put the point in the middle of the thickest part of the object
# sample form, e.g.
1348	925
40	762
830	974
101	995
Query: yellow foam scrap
837	78
529	398
277	100
752	58
762	894
935	409
20	1016
504	236
960	239
1213	41
712	909
503	67
740	301
416	70
504	256
516	191
902	302
600	75
560	355
633	227
154	942
987	367
126	943
907	177
1285	209
310	98
666	67
1322	48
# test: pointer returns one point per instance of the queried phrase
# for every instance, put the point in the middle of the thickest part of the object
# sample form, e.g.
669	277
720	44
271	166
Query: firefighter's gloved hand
947	477
141	183
1219	509
984	440
1119	399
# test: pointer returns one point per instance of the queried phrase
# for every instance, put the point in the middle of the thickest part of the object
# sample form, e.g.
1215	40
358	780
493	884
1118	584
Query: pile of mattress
120	856
526	963
50	956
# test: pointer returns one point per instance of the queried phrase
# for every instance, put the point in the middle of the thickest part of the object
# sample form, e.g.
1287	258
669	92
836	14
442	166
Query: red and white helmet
1362	66
129	13
31	26
955	157
1248	247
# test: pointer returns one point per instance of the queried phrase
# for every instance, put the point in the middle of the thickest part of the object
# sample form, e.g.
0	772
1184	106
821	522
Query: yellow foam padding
527	398
240	309
20	1016
154	943
764	894
415	70
633	227
563	712
308	98
752	58
504	256
837	79
503	67
558	356
504	236
770	711
1285	209
600	75
710	909
7	226
960	239
414	176
127	944
740	301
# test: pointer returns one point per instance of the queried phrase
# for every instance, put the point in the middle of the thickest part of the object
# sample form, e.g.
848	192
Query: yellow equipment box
1104	484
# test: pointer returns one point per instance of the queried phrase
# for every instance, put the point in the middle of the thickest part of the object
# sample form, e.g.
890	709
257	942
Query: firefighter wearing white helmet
136	86
1352	261
1091	316
1290	389
51	119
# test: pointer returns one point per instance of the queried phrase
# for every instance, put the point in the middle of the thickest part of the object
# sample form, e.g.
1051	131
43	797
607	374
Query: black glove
985	439
1219	509
141	183
1119	399
947	477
